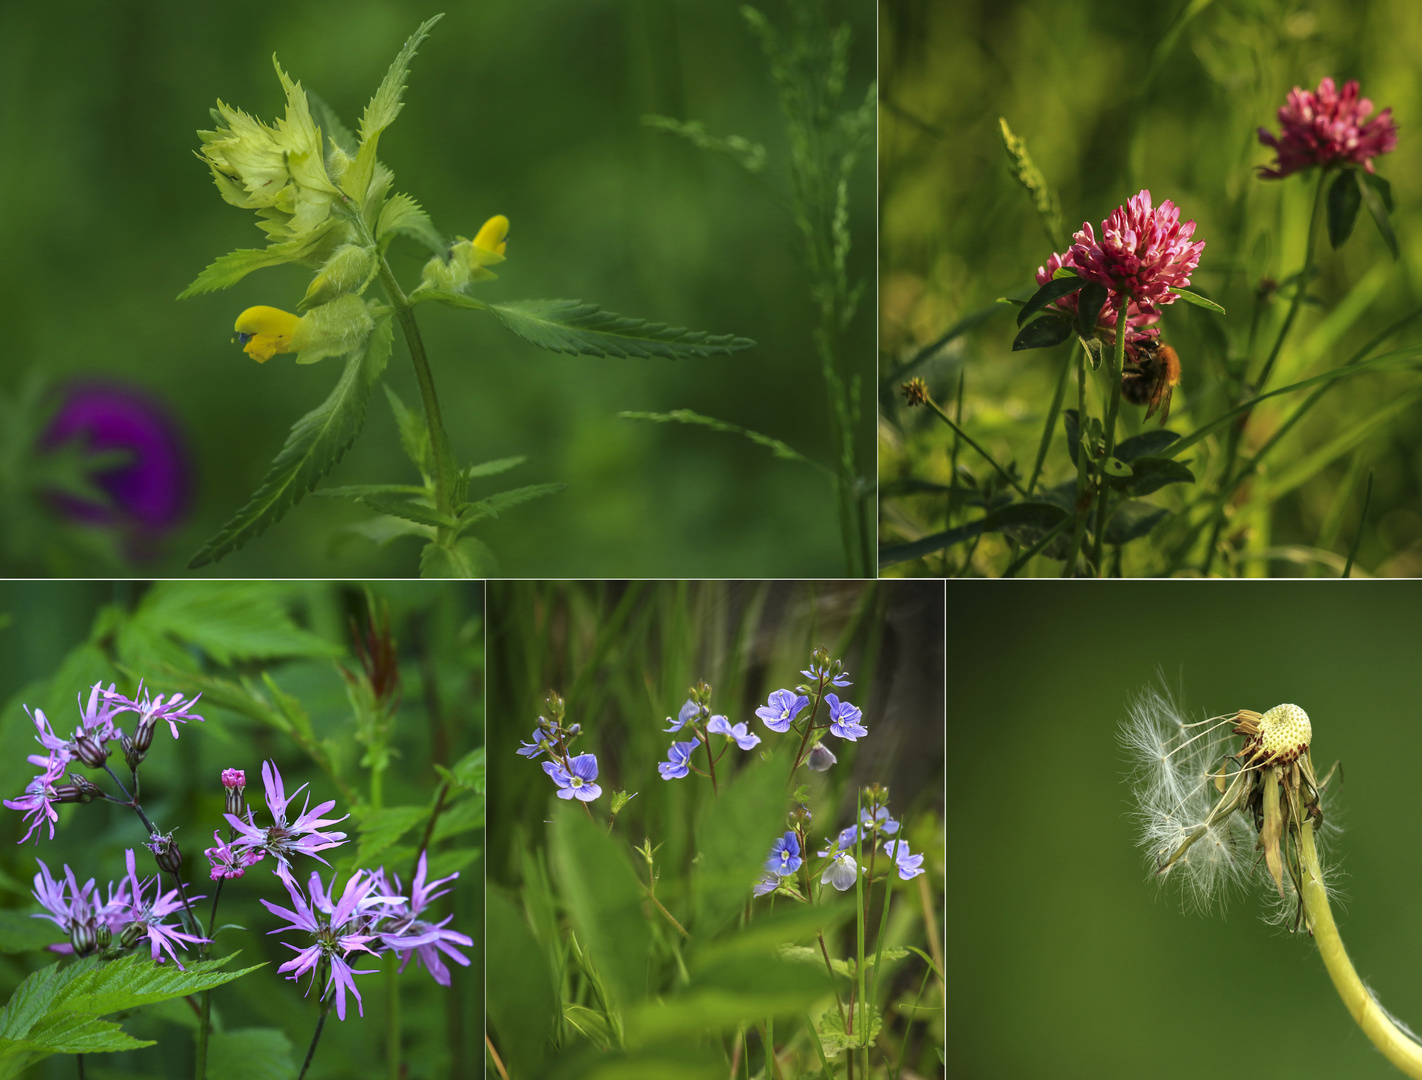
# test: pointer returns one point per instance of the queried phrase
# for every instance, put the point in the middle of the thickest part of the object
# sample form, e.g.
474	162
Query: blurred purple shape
151	490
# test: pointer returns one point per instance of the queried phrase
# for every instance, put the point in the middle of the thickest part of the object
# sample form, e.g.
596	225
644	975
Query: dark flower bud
84	937
132	934
132	755
234	783
143	737
165	852
91	752
103	936
79	790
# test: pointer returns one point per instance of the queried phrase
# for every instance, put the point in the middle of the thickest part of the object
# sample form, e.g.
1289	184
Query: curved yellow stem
1396	1045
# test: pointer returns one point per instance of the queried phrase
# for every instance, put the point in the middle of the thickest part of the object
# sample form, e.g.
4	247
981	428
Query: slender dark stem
969	440
429	828
132	802
809	727
1300	289
1118	363
439	442
710	761
315	1038
79	1062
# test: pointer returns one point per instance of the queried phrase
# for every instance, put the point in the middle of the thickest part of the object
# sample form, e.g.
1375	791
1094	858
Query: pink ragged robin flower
282	839
1327	128
335	925
1143	253
230	862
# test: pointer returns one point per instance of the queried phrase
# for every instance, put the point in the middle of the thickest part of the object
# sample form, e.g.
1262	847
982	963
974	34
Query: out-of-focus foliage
1110	98
532	108
281	681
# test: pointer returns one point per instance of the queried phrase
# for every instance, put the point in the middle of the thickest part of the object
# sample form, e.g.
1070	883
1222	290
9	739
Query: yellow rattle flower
265	331
492	234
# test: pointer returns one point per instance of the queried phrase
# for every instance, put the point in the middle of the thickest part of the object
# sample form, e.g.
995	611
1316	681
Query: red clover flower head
1140	326
1327	128
1143	253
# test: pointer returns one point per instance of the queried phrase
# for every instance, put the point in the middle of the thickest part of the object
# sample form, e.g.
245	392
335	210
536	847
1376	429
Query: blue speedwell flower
767	884
910	865
576	781
844	719
784	856
744	739
678	760
782	708
815	672
690	711
537	744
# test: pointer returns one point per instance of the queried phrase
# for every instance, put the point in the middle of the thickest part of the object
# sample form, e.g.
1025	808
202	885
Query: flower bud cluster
575	776
89	746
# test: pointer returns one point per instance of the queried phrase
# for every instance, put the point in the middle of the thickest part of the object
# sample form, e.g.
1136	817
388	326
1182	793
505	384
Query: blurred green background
1067	960
1075	82
60	637
531	108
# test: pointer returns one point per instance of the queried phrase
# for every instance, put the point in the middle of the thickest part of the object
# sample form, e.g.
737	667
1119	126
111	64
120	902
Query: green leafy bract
316	443
381	113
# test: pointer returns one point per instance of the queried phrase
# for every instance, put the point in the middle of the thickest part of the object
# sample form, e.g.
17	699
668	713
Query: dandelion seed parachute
1177	763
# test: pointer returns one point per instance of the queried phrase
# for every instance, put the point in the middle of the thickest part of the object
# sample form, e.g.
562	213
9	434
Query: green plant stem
863	1027
1300	289
969	440
1047	428
439	442
315	1038
392	1018
1377	1025
1118	363
1217	512
1078	533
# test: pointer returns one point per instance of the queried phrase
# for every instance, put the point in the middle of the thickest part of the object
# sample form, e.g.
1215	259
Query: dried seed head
1278	737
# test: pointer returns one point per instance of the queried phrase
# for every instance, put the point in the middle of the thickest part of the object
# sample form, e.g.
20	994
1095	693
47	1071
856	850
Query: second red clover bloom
1327	128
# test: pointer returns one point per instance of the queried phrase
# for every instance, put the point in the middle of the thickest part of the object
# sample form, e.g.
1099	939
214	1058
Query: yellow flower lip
493	234
265	331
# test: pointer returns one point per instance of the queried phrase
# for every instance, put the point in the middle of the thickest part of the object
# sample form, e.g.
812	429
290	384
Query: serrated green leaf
402	214
686	416
410	511
833	1037
316	443
231	268
811	956
35	996
493	468
381	530
384	107
358	491
136	980
468	772
468	558
381	828
228	621
250	1054
571	326
494	505
414	435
